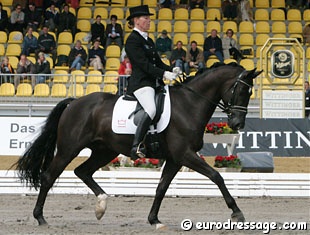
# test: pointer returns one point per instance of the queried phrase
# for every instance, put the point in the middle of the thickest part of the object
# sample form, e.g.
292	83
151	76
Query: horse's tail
39	155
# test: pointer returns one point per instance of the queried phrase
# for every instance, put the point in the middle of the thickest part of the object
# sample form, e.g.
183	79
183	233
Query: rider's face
143	23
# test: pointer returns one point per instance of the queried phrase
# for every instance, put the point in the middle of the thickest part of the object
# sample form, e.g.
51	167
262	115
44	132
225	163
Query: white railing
144	183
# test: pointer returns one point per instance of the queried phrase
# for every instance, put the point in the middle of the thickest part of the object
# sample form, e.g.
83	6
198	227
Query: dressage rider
147	72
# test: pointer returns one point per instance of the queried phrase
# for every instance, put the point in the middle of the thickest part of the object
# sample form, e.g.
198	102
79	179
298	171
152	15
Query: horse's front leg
194	162
169	172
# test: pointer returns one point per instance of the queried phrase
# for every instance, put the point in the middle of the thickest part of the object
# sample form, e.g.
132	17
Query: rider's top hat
142	10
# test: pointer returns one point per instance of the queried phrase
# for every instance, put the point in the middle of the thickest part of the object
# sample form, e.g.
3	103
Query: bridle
229	107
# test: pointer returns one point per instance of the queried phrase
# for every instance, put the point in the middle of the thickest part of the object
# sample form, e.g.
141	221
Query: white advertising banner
17	133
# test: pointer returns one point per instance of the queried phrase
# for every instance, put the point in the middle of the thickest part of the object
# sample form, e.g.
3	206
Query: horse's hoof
42	222
101	206
237	217
161	227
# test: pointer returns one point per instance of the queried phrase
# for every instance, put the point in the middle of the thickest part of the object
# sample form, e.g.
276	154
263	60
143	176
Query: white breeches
96	63
146	97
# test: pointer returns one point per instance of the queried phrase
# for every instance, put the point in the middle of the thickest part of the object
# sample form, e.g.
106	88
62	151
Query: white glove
169	76
177	70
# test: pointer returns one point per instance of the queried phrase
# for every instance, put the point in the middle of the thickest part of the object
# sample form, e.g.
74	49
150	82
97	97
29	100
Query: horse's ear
253	73
257	73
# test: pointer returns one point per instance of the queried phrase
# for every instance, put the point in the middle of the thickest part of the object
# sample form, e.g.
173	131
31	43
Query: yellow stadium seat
65	38
308	53
60	76
213	25
164	24
3	37
13	61
246	27
152	27
211	61
8	3
261	14
262	4
86	3
94	76
198	37
180	26
113	51
262	27
165	14
111	77
78	76
118	11
8	10
91	88
2	50
227	61
82	36
196	27
214	3
24	89
180	37
63	49
102	11
50	60
213	14
150	3
13	50
197	14
261	39
112	64
133	3
154	12
278	3
306	15
278	27
277	15
294	15
181	14
110	88
229	25
75	90
84	13
41	90
59	90
246	39
248	64
7	89
83	25
16	37
295	27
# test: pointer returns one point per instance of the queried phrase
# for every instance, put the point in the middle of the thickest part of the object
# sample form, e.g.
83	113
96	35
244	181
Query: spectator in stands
73	3
51	18
229	9
67	21
47	44
196	4
22	3
98	31
58	3
77	57
6	68
213	46
194	58
114	32
230	47
42	67
178	56
17	19
245	11
167	3
125	70
295	3
96	56
3	18
30	43
32	17
164	45
24	67
307	99
306	33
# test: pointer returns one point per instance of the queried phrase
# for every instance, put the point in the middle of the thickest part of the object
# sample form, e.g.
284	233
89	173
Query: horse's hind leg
194	162
98	158
169	172
48	178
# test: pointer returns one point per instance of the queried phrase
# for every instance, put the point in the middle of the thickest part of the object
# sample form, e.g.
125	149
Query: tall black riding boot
138	150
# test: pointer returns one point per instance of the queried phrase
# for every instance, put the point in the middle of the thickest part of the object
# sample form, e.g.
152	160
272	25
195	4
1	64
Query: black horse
86	122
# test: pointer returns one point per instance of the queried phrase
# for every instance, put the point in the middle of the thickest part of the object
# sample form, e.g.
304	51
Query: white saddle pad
121	124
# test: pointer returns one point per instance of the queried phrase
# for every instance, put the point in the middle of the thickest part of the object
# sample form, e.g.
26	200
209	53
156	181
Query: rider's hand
177	70
169	76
